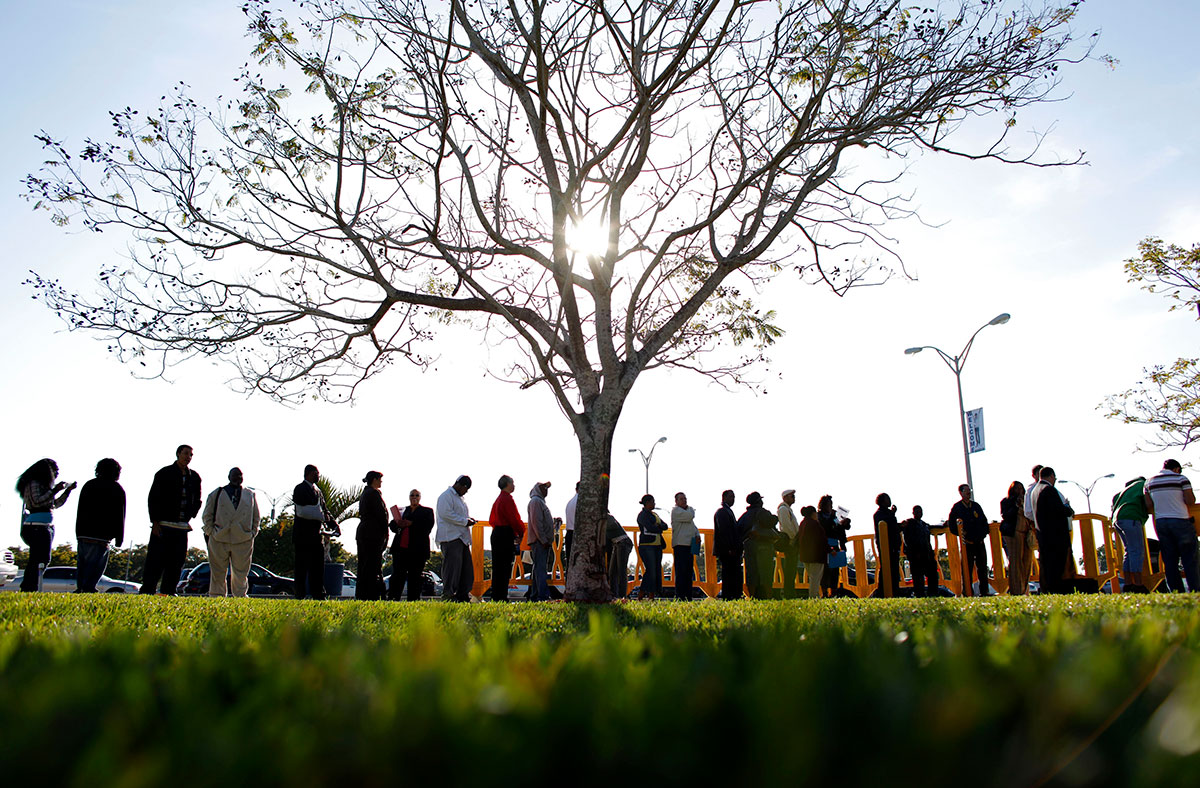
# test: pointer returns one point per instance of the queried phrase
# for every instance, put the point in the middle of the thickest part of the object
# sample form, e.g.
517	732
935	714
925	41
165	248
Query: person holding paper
410	548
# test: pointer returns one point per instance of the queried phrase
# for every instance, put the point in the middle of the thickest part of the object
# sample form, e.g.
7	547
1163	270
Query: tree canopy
1168	397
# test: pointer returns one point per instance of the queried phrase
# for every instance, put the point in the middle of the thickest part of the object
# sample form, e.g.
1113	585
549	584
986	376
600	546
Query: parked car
349	584
263	582
8	568
61	580
430	589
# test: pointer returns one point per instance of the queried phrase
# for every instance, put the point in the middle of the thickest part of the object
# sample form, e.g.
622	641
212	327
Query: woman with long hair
41	494
1017	533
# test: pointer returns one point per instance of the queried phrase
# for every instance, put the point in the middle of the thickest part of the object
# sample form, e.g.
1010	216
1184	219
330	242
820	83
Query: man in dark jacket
969	522
173	501
311	516
1052	516
919	548
728	547
99	520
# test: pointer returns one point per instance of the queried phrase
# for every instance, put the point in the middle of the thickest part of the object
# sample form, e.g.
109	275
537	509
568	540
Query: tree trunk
587	579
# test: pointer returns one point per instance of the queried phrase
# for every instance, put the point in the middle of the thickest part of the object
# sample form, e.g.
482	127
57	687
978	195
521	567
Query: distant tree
123	560
194	557
1168	397
600	187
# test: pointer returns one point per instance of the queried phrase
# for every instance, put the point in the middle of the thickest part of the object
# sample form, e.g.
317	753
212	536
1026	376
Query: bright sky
845	412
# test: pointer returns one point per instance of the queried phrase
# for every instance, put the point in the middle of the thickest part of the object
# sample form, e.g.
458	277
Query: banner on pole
975	430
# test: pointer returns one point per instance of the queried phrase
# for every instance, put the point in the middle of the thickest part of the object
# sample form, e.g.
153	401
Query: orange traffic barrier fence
864	570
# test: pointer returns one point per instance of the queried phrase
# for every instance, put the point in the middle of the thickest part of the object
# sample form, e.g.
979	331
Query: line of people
1034	519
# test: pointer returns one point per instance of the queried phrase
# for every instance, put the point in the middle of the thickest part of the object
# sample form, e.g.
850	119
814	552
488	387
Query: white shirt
787	521
1029	500
569	520
453	518
683	526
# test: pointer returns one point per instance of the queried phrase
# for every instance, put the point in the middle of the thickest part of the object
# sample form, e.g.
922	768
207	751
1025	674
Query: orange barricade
857	546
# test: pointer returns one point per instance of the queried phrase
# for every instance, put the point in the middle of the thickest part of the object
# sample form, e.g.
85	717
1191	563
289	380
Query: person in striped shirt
1168	495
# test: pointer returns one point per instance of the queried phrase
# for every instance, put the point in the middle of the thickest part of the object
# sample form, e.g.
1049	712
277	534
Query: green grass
151	691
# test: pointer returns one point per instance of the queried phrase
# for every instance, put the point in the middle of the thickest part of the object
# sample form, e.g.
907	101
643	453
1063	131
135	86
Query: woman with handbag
835	535
41	494
650	548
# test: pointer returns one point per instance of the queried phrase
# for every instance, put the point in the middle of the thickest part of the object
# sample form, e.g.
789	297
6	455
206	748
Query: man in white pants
230	524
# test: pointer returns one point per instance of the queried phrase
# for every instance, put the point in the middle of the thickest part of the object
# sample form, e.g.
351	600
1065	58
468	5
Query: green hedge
156	691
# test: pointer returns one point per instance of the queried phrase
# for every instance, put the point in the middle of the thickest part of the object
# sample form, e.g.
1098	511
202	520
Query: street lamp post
646	459
274	499
1087	491
956	364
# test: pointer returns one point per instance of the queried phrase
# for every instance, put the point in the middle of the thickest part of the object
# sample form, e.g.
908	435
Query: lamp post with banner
956	364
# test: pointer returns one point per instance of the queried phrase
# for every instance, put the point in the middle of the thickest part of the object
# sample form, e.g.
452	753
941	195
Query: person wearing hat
791	530
650	547
454	537
541	539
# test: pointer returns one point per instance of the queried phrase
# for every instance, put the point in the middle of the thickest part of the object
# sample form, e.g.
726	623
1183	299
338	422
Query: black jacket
975	523
728	537
167	491
372	520
887	518
422	521
101	512
1053	520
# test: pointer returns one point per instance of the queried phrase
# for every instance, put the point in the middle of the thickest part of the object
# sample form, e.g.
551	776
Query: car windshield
59	573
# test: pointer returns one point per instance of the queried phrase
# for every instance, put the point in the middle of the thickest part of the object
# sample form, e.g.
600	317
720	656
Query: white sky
846	412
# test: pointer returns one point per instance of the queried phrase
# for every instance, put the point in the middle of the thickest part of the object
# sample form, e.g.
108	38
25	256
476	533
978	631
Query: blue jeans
92	561
541	562
1176	542
1134	538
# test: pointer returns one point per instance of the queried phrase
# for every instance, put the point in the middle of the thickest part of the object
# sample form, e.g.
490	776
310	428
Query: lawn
151	691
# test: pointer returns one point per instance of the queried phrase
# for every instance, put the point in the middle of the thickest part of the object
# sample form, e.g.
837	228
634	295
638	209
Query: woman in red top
507	532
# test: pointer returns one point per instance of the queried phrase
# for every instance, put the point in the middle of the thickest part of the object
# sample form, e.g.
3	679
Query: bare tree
1168	397
444	157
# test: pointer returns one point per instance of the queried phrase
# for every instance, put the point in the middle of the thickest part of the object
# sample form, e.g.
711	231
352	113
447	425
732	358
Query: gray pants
815	571
458	573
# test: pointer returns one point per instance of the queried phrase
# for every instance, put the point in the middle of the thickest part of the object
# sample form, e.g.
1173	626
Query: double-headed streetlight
956	364
646	459
1087	491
